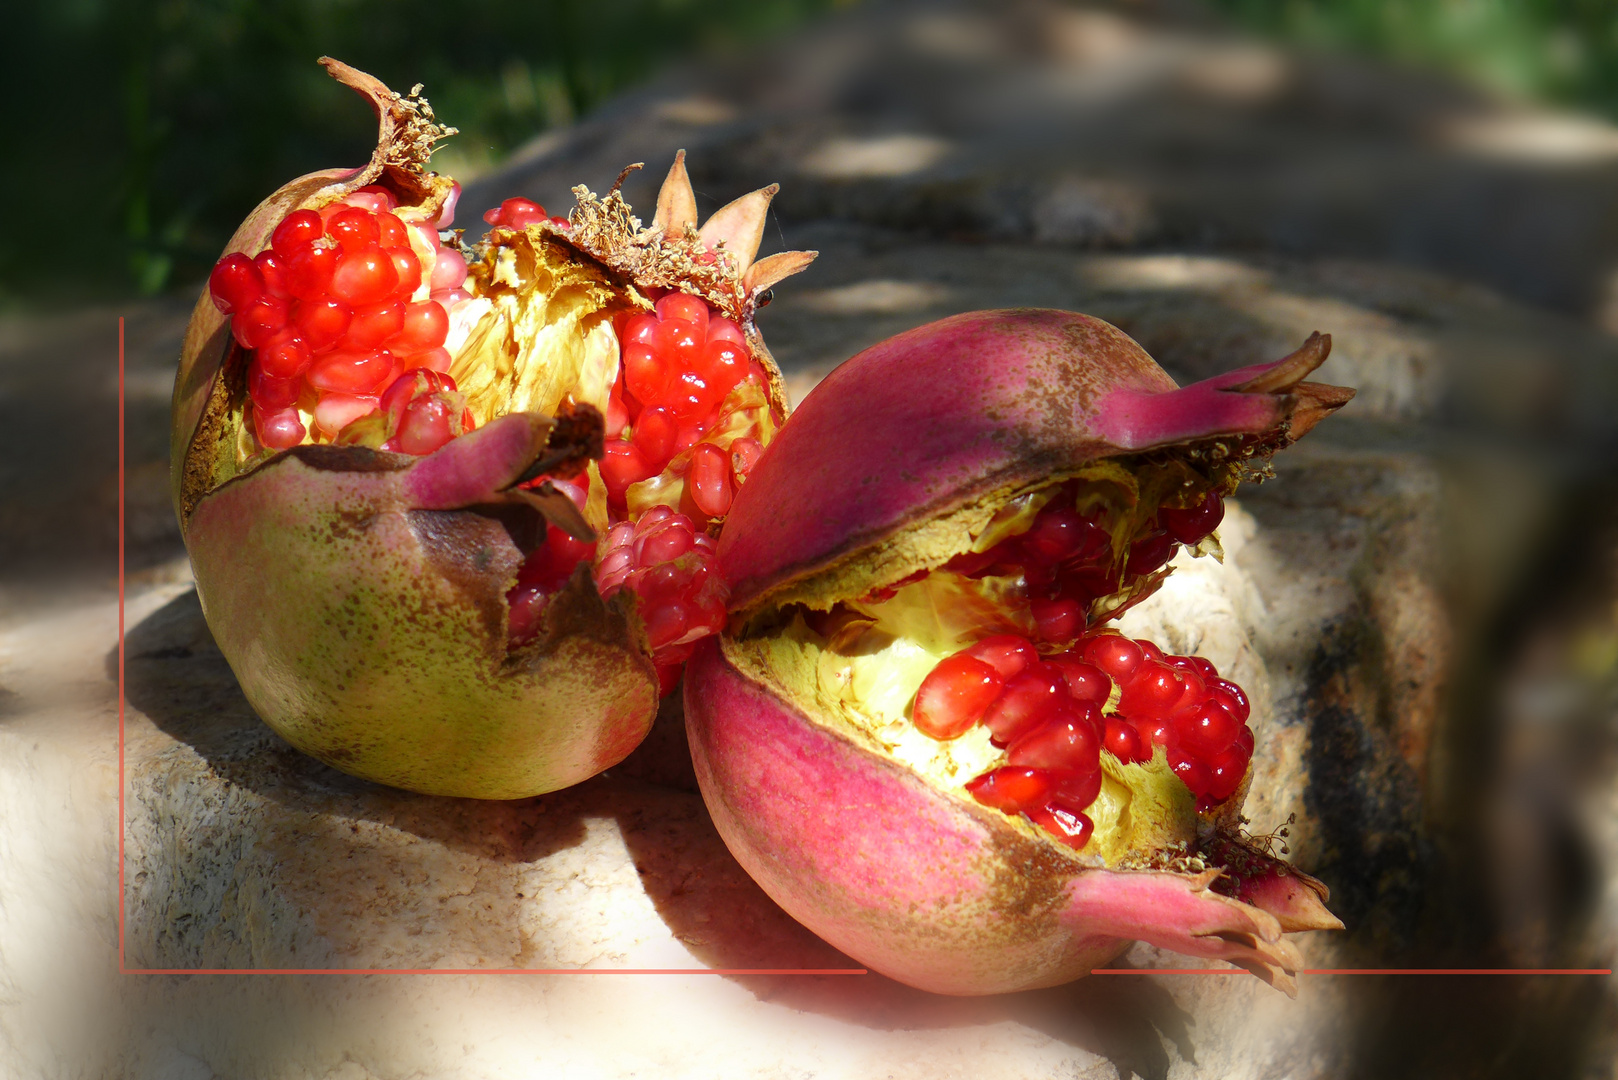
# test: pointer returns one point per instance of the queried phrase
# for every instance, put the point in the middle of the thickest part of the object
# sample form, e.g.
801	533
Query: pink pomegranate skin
924	885
929	889
940	415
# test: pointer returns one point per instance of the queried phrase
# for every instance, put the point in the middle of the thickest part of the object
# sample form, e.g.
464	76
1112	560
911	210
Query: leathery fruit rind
900	461
361	595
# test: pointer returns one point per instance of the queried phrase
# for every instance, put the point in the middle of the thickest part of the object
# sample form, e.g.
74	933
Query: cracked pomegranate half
451	506
920	732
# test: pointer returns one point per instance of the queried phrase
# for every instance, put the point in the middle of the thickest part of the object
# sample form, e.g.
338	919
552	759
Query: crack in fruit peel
385	451
919	733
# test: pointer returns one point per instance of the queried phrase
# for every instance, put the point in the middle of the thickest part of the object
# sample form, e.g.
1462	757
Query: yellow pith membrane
861	663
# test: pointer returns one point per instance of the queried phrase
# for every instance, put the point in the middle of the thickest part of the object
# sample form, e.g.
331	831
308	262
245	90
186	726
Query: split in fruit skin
345	318
1063	700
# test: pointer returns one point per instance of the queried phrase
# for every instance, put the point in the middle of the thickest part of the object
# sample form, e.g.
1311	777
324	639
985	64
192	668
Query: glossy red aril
1193	524
297	231
953	696
710	480
235	283
1068	740
1012	789
1008	654
1031	697
515	214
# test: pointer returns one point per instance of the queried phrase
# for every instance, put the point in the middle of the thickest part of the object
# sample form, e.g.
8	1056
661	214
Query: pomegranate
451	505
920	732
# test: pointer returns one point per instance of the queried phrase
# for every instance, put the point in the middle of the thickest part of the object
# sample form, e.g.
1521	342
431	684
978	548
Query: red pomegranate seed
309	271
255	323
1067	741
425	327
655	431
516	213
1155	731
621	466
1232	697
359	372
1192	772
407	268
437	359
391	232
399	392
1008	654
428	423
1193	524
1116	655
617	411
284	355
722	329
374	324
1149	553
1031	697
449	271
710	480
1123	742
1057	535
641	329
1085	682
333	412
681	343
1244	739
297	231
1071	829
685	307
1153	690
953	696
364	276
1206	731
691	395
373	198
272	268
1075	791
270	393
321	322
353	228
1204	669
279	430
672	539
723	364
1152	652
744	454
1226	772
235	283
645	374
1011	789
1057	620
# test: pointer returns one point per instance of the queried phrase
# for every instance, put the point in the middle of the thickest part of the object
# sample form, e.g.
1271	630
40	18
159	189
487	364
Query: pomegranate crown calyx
717	260
408	132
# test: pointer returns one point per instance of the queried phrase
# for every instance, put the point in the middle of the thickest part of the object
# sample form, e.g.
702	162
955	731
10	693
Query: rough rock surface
1443	735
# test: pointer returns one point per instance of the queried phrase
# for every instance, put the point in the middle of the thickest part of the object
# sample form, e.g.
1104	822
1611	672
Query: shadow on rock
177	677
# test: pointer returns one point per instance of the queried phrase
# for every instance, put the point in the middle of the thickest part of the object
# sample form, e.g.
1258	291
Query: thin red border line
122	970
125	970
1359	971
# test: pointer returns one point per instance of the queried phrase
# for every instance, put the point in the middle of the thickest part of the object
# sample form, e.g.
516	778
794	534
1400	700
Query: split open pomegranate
921	732
451	504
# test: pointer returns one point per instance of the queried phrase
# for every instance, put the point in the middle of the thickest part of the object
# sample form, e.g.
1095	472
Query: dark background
145	130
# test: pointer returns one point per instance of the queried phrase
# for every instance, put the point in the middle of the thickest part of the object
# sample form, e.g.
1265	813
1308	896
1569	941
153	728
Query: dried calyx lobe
930	588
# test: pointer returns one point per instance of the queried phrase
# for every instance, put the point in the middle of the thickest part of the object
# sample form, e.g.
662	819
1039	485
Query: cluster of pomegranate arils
1049	712
340	311
679	366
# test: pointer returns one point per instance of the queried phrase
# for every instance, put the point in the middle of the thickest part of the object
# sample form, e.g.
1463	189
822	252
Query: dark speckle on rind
463	549
361	459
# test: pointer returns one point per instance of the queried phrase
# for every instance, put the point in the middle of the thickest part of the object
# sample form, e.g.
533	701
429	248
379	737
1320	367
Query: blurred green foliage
151	127
1559	51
